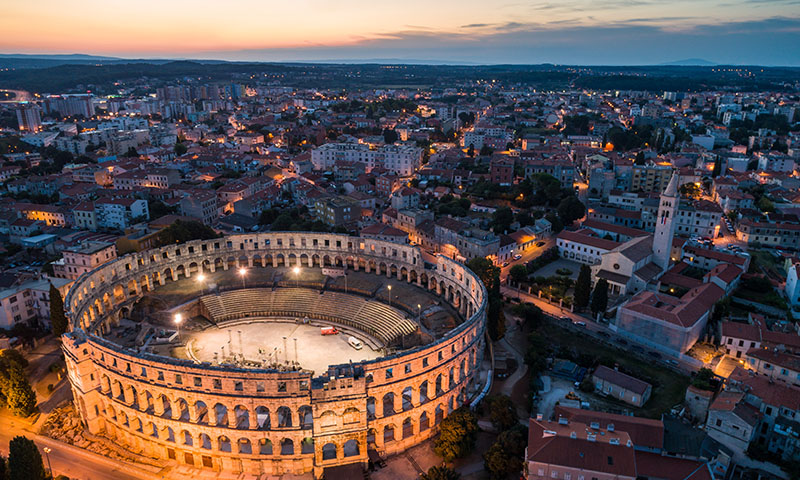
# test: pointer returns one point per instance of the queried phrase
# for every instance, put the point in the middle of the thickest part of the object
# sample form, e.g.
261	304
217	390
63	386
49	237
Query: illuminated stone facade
260	421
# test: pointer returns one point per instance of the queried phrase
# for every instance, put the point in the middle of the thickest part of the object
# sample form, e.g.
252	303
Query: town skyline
619	32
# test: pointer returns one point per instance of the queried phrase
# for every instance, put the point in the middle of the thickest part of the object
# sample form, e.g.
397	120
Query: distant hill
45	61
690	62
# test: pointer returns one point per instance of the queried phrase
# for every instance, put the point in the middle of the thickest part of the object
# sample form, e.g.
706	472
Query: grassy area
669	387
765	260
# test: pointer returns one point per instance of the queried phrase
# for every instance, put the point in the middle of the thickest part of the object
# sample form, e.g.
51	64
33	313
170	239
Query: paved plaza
263	340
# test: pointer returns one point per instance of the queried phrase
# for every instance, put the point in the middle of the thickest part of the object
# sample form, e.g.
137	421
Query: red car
328	331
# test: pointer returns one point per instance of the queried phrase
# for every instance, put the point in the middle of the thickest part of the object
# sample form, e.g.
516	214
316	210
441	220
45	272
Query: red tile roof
643	431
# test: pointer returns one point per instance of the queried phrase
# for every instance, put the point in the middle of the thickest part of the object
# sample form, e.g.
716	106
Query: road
592	328
527	256
21	96
68	460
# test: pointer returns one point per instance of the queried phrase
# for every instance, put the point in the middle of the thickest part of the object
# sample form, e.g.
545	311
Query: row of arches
198	412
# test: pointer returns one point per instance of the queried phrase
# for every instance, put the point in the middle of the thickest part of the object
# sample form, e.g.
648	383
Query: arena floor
262	340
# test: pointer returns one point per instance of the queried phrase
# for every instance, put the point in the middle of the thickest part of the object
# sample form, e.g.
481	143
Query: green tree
690	190
600	296
24	460
502	412
3	468
490	276
440	473
58	319
502	218
717	167
571	209
180	149
583	287
389	136
457	435
16	390
765	205
181	231
505	456
519	273
471	150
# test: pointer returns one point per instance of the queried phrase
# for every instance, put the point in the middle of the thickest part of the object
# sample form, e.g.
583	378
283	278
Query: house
381	231
120	213
613	383
83	258
668	322
731	421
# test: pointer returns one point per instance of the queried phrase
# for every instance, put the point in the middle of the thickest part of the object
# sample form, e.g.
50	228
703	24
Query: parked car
539	244
355	343
517	256
580	324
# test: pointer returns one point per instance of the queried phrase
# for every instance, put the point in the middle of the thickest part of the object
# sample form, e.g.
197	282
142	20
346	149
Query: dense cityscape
398	271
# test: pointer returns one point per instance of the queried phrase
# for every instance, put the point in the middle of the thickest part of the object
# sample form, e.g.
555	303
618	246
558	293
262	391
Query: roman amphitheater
210	353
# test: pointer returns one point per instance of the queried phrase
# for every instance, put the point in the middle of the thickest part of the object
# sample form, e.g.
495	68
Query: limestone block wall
265	421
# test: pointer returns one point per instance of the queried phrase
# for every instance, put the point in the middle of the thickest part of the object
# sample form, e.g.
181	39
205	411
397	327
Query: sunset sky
569	31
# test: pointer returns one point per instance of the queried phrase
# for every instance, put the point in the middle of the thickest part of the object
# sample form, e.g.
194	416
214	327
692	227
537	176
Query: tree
131	152
490	276
600	296
639	159
502	412
24	460
583	287
505	456
3	468
457	434
440	473
486	151
181	231
571	209
471	150
389	136
717	167
58	320
519	273
502	218
690	190
180	149
17	391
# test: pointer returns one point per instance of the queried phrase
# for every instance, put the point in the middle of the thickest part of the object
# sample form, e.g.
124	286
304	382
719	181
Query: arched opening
438	415
424	422
371	408
205	441
242	417
307	445
388	434
408	399
306	416
388	404
329	451
408	428
220	415
201	410
262	417
183	410
245	447
169	434
224	444
284	417
350	448
371	434
264	447
187	438
287	446
423	393
439	389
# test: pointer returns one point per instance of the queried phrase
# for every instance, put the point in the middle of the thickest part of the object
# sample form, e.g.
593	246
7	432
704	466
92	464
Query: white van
355	343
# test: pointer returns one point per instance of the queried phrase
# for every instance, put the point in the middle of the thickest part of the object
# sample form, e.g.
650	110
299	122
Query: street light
390	294
47	451
178	320
243	274
296	271
419	316
201	280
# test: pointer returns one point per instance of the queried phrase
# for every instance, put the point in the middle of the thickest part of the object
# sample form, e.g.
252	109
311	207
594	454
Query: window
238	386
425	364
281	386
389	373
198	382
260	387
178	379
719	423
218	384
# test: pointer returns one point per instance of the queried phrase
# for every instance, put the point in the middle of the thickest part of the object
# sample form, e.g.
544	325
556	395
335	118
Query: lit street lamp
389	287
178	321
201	280
419	316
243	274
47	451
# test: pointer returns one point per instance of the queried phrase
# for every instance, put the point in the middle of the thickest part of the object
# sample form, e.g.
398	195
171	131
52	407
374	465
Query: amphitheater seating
377	319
